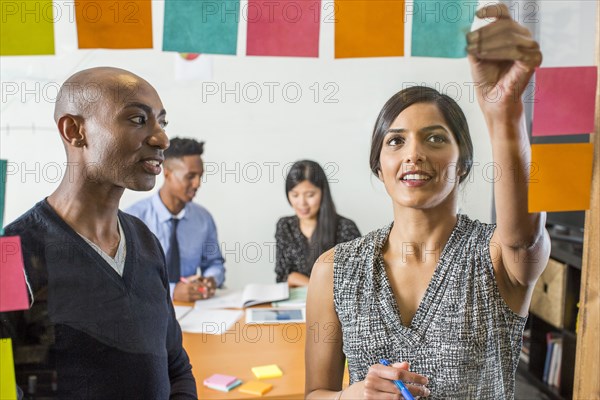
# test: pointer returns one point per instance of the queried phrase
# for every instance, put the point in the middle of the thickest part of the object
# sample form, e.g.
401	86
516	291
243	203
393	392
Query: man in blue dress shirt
186	230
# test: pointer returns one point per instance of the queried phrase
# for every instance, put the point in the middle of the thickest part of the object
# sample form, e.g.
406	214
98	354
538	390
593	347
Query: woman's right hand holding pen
379	382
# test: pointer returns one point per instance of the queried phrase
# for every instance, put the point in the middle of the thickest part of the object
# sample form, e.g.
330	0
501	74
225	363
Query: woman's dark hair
451	111
323	237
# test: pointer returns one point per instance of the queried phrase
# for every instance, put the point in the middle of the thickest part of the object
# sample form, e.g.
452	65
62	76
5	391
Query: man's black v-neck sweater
107	336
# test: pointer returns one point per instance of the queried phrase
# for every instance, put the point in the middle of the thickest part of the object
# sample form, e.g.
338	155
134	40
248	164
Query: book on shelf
554	379
552	364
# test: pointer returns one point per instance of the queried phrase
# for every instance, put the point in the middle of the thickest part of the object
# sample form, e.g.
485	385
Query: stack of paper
223	383
181	311
214	322
211	315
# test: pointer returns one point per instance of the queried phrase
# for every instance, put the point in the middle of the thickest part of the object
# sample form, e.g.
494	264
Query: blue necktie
173	261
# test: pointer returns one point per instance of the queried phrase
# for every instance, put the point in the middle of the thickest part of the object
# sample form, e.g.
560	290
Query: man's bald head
111	123
84	90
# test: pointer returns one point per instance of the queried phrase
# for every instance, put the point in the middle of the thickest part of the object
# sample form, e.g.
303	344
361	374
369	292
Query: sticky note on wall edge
3	164
27	27
560	177
13	290
564	101
8	385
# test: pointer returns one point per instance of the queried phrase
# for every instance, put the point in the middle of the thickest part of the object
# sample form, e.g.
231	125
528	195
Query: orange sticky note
256	388
114	24
560	177
13	291
8	386
368	28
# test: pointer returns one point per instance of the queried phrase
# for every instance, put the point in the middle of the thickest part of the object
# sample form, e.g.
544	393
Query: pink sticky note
564	101
13	291
283	28
220	380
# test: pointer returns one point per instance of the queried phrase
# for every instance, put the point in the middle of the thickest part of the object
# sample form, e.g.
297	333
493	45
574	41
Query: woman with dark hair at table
315	228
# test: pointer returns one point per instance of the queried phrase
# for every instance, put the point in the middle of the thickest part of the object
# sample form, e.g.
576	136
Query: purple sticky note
13	291
565	100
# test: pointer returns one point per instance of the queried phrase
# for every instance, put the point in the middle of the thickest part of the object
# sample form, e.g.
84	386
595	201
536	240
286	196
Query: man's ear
166	169
71	130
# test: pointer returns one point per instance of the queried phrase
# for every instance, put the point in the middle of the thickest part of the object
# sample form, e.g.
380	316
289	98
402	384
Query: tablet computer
275	315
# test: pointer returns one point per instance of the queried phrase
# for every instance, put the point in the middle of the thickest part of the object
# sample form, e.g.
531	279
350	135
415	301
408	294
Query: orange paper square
560	177
256	388
369	28
114	24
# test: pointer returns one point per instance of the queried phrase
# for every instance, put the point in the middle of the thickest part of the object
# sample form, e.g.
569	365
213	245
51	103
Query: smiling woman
414	147
454	123
315	228
427	291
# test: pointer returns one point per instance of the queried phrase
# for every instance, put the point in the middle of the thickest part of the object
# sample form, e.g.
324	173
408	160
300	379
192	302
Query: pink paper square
13	291
283	28
564	101
220	380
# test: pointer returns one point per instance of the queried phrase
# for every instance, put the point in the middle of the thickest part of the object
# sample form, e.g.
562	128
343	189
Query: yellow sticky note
27	26
560	177
256	388
267	371
8	386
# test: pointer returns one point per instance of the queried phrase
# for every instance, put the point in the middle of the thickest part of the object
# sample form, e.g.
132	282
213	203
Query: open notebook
213	316
213	322
252	294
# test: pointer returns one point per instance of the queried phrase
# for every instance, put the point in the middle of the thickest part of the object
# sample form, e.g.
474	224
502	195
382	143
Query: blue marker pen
399	384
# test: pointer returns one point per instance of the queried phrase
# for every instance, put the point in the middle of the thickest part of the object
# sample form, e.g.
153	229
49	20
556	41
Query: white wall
241	134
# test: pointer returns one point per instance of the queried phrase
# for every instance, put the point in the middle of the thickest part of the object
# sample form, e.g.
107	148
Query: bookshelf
543	323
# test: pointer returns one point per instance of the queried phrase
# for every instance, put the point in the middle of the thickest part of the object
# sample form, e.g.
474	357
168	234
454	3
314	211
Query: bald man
102	324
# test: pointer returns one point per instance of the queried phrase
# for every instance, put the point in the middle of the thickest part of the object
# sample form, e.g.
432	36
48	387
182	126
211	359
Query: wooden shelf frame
587	361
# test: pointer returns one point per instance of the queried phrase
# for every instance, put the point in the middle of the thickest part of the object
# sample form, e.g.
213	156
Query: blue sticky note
3	164
439	27
201	26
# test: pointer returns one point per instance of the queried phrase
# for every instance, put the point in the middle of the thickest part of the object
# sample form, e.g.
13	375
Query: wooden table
246	346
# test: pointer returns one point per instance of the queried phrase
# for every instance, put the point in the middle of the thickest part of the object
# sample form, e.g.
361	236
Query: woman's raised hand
503	57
